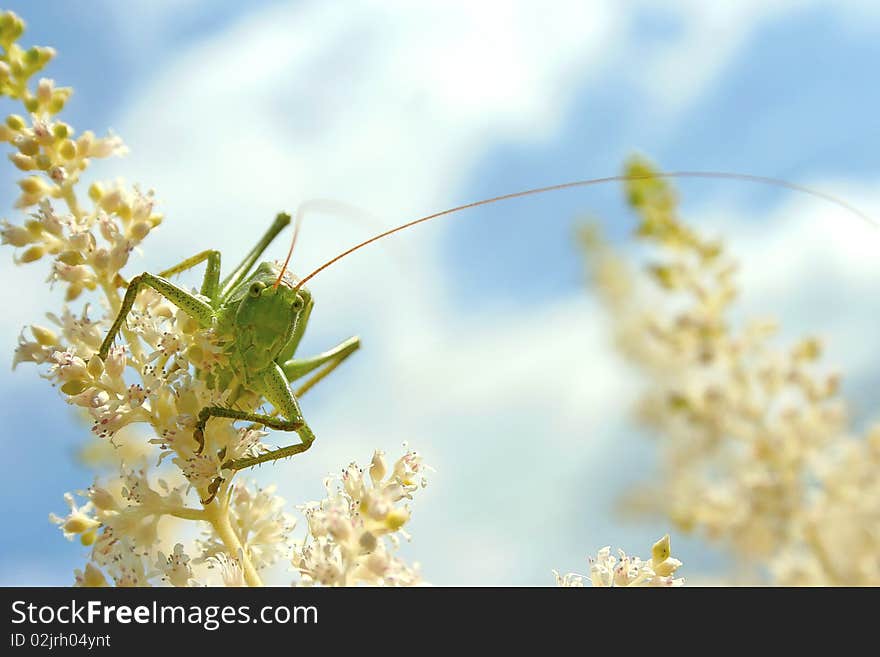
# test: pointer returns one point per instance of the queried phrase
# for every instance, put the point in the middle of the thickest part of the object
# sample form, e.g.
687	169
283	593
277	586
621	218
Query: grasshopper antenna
320	205
777	182
296	224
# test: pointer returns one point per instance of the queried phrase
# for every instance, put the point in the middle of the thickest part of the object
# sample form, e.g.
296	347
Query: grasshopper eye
298	302
257	288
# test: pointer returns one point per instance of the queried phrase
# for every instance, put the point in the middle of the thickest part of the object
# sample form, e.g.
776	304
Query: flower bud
15	122
73	388
59	99
34	227
78	523
89	537
44	336
15	235
111	200
67	149
33	185
33	254
71	258
73	291
96	191
396	519
45	87
22	161
32	56
661	550
27	145
46	53
378	468
95	366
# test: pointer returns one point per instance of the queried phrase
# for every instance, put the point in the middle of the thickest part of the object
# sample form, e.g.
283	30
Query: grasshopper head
269	313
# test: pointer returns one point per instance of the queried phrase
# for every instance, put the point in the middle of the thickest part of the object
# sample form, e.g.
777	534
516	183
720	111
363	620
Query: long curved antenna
296	225
320	205
598	181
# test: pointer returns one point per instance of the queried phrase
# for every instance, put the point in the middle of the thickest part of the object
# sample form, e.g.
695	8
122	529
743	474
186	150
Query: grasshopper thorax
264	317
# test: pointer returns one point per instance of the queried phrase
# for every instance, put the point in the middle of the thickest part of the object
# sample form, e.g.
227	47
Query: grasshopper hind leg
273	385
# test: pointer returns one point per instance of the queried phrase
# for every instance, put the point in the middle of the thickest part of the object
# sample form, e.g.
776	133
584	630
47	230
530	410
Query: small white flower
175	567
231	572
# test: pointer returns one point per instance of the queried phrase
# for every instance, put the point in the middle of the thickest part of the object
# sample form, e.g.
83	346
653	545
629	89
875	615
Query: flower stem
186	513
217	514
69	196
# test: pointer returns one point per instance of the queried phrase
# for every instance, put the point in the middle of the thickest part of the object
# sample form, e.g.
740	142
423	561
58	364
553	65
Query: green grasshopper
264	315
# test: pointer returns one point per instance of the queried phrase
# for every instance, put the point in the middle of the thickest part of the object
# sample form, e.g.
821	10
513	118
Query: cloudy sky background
481	346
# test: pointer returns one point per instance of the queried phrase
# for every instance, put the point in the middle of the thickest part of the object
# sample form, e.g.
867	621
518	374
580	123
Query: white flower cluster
351	539
155	378
354	532
624	570
263	527
122	527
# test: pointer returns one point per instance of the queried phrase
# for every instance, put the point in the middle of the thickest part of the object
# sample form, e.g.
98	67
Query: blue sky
467	325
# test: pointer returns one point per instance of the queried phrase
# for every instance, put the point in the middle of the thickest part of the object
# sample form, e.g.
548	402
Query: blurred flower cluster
756	448
134	519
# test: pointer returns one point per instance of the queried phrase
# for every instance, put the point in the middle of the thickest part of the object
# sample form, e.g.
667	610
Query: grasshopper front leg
210	282
196	308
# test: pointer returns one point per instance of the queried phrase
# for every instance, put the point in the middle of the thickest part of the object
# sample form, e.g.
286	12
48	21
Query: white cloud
709	35
814	266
